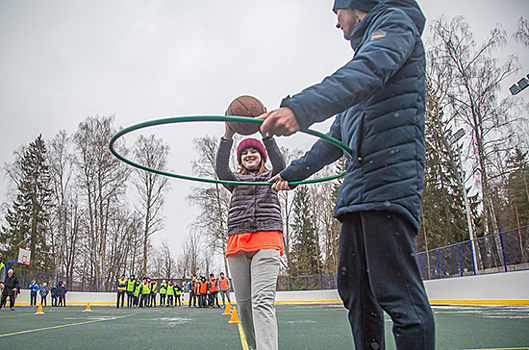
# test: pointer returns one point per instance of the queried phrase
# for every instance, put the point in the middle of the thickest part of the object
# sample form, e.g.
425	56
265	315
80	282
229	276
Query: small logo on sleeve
378	34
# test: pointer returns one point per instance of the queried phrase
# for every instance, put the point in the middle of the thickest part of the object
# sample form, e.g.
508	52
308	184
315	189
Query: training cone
227	311
234	318
39	310
87	308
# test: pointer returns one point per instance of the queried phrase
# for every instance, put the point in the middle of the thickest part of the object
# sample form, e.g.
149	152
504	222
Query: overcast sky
62	61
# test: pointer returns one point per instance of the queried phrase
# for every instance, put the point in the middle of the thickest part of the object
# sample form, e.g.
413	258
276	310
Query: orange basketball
245	106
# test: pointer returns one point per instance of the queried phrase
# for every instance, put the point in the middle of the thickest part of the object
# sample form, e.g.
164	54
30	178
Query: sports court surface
300	327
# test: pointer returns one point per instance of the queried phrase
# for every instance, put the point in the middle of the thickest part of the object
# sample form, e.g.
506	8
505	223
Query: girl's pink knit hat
251	143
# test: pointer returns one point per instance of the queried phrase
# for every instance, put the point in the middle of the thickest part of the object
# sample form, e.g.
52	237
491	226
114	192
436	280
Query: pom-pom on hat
251	143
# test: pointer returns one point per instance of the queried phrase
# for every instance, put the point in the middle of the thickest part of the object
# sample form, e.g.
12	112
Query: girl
255	240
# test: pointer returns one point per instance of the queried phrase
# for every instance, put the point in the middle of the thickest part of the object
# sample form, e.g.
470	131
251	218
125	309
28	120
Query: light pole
453	140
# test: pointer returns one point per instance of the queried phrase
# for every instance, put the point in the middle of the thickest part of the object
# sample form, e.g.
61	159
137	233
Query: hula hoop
172	120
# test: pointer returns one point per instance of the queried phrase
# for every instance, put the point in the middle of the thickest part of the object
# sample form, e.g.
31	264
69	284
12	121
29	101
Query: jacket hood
410	7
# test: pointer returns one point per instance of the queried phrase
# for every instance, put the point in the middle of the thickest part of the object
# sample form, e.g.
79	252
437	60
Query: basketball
245	106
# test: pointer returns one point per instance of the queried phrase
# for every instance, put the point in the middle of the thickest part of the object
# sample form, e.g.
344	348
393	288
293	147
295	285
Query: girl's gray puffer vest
252	208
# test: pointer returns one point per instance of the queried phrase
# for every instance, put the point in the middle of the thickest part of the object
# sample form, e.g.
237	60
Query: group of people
10	288
202	292
205	292
57	292
142	293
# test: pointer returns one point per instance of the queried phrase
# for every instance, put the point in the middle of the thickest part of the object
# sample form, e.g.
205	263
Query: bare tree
468	80
328	228
190	263
522	34
101	179
152	153
165	265
213	200
67	212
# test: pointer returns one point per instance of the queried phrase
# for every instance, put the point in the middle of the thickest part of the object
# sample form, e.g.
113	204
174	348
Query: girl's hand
280	184
228	134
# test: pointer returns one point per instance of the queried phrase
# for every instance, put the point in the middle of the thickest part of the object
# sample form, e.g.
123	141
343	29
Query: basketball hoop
24	256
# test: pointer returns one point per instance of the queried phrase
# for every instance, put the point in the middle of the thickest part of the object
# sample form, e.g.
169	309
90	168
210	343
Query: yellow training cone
87	308
227	311
234	318
39	310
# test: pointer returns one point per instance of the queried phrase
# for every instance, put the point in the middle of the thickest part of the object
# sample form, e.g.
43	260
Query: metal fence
501	252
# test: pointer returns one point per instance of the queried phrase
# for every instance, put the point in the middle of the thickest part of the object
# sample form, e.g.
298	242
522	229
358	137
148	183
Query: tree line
72	205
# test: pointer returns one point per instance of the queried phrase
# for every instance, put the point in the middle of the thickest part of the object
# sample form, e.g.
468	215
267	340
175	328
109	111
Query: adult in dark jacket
54	294
11	290
61	293
379	97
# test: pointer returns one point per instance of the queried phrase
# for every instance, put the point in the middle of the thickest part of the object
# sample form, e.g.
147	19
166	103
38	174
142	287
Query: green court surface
300	327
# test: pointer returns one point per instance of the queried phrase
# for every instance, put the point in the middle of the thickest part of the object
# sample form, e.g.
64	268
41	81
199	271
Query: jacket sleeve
274	153
222	167
321	154
374	63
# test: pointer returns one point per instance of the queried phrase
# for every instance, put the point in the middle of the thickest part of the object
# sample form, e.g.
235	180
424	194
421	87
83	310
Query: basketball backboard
24	256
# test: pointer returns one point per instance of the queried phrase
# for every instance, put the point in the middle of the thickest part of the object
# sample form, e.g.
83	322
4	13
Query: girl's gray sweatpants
254	277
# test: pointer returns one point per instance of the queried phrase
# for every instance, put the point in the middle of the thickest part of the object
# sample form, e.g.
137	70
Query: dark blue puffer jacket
380	98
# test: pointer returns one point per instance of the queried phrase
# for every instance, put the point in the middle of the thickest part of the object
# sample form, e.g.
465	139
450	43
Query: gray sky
63	60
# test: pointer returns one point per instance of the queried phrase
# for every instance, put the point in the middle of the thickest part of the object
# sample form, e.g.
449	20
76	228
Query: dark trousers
43	300
378	271
162	299
3	301
62	301
203	300
130	299
33	299
192	299
121	296
53	301
144	302
153	299
170	300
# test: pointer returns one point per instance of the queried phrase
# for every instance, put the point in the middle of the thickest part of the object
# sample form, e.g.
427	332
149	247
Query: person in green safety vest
145	292
170	293
122	287
137	291
163	292
154	291
131	285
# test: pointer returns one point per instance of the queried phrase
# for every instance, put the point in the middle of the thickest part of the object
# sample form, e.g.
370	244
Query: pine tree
306	259
518	187
443	210
27	219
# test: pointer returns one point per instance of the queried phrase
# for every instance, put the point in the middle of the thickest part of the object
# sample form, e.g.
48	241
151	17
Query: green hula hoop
172	120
